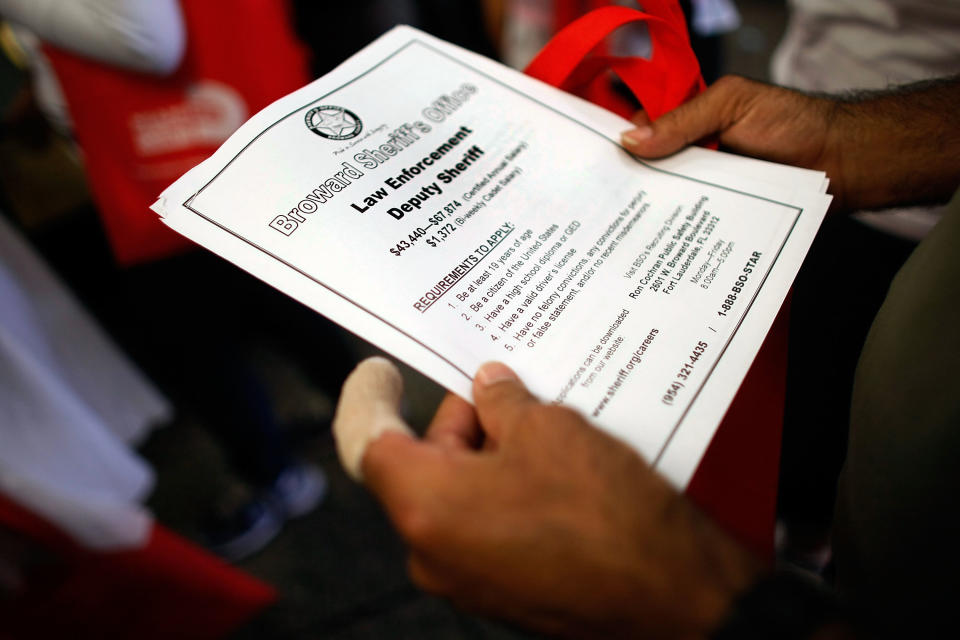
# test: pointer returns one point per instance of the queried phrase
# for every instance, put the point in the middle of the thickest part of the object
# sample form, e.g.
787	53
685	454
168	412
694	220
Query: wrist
732	572
785	604
706	572
896	147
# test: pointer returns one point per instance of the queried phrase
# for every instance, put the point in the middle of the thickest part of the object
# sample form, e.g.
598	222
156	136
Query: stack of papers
453	211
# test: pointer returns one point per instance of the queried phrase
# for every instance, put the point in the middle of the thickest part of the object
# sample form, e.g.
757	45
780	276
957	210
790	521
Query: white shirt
70	405
144	35
842	45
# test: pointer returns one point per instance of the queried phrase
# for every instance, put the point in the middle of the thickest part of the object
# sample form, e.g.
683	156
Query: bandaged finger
369	406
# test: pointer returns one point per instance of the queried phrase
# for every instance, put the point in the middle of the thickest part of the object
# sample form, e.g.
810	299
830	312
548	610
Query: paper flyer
453	211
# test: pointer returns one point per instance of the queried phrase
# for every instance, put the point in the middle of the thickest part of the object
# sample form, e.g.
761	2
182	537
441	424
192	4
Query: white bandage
369	406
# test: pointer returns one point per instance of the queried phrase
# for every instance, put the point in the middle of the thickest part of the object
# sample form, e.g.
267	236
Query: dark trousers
838	291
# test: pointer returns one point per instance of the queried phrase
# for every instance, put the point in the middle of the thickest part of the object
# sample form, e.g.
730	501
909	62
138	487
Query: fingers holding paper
455	425
748	117
525	511
859	140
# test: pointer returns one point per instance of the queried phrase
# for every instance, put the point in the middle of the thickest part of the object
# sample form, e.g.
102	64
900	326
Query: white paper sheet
453	211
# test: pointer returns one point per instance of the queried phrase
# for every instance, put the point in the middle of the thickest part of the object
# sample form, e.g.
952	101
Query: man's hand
878	149
525	511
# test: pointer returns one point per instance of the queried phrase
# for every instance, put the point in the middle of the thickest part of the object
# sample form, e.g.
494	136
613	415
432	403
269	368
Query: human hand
879	149
525	511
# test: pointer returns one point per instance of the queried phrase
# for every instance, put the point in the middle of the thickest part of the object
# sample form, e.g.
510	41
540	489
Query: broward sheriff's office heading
396	142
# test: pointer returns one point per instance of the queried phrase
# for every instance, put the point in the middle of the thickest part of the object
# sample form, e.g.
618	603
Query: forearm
879	149
899	146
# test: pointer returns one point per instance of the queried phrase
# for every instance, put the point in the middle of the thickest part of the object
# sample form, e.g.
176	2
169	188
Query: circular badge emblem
334	123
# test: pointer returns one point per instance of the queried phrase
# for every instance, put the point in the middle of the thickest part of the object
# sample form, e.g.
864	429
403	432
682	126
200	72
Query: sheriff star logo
334	123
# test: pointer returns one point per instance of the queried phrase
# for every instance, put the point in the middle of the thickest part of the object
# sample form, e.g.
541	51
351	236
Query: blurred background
338	569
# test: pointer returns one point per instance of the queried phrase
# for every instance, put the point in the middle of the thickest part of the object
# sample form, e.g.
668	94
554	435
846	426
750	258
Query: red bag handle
668	79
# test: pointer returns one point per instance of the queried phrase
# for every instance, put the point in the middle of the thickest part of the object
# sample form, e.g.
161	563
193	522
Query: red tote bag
140	132
736	482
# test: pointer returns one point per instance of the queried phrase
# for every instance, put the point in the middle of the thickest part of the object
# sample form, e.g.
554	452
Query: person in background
193	321
842	46
72	406
523	510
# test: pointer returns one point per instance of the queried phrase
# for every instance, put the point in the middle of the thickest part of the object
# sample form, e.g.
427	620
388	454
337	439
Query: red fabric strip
573	62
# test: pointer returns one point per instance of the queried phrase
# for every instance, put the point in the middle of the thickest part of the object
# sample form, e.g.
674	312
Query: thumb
501	398
706	115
